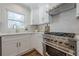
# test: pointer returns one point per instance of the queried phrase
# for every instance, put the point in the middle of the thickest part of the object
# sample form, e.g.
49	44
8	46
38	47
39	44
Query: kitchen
51	29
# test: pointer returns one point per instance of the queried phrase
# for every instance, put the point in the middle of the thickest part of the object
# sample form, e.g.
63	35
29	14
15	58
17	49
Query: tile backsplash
36	28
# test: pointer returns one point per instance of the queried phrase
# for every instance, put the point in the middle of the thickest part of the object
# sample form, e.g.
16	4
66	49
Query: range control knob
66	43
60	42
51	40
72	46
55	41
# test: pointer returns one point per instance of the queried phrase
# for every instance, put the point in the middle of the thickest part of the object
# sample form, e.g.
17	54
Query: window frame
23	22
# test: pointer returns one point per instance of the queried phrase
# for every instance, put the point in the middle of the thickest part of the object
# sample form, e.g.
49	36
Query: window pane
15	19
19	17
20	25
15	23
15	16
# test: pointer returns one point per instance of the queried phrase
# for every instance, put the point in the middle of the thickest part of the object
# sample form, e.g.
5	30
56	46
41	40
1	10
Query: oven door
50	51
54	52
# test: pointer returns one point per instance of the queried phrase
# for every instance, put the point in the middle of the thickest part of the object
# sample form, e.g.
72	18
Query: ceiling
37	5
33	5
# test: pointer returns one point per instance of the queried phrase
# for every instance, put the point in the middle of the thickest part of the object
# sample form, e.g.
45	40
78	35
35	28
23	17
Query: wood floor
32	53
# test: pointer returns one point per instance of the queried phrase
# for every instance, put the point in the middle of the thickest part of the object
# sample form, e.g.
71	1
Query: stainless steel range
59	44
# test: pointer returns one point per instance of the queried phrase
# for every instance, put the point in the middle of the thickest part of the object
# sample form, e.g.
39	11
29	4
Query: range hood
62	8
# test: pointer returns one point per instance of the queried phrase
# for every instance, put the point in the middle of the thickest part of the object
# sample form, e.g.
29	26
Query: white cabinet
24	44
32	41
0	16
37	42
77	9
14	45
9	47
43	14
39	15
35	16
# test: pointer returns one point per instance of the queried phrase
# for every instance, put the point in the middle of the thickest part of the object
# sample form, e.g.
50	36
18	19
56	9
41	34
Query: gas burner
71	35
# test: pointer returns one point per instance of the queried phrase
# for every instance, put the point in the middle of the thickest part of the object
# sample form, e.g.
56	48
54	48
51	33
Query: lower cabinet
24	45
38	43
9	48
14	45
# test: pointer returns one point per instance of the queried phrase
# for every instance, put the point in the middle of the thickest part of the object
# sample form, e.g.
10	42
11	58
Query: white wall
15	8
65	22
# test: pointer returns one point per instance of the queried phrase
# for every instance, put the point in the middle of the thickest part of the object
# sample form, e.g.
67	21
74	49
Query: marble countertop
8	34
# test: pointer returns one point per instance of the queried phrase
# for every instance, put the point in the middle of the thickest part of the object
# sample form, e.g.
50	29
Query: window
15	19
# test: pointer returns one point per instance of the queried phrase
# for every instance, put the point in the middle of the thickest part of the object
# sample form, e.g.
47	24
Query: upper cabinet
77	10
40	15
34	16
0	15
43	14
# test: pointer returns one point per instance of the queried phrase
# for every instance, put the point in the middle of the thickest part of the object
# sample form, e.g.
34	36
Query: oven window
54	52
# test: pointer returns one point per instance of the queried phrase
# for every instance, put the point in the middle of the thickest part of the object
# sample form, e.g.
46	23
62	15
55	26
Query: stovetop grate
71	35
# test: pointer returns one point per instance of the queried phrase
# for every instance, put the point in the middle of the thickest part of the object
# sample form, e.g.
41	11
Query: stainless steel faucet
15	27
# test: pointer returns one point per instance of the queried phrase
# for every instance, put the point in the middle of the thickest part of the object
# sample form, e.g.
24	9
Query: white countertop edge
8	34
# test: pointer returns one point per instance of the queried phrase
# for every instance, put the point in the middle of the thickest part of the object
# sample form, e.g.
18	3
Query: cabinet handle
19	44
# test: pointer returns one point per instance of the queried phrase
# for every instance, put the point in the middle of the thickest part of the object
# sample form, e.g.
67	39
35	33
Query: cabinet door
43	15
35	16
32	41
0	15
38	43
9	47
77	10
23	44
46	15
